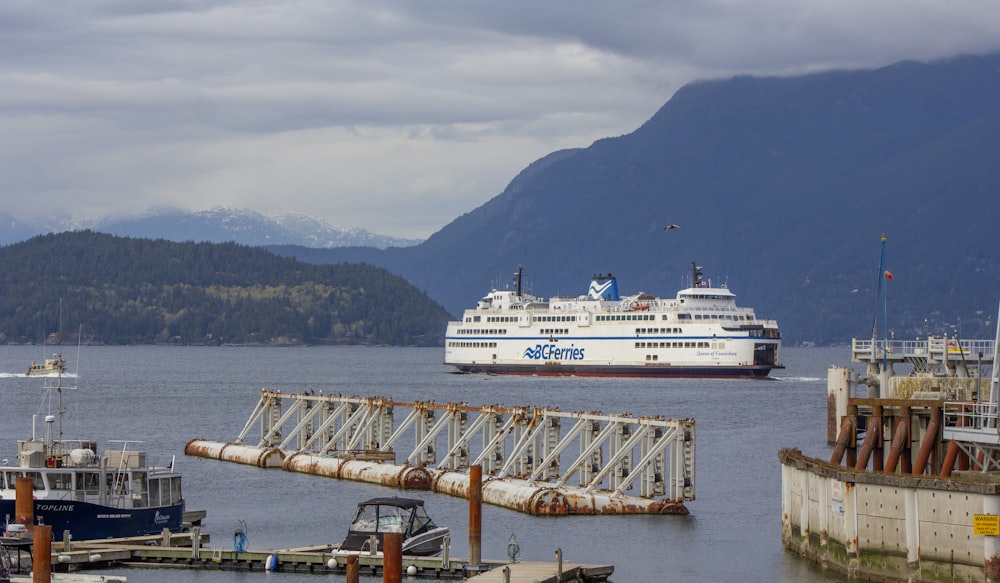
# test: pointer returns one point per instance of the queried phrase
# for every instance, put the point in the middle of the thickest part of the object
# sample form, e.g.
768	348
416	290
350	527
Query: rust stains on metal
230	452
992	568
415	478
619	464
851	543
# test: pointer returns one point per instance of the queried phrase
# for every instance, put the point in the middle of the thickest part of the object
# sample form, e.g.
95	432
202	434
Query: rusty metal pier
536	460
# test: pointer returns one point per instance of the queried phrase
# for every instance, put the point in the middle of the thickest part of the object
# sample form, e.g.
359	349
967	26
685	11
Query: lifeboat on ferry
638	307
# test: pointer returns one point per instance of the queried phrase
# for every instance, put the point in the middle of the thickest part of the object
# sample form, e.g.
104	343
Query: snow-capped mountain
216	225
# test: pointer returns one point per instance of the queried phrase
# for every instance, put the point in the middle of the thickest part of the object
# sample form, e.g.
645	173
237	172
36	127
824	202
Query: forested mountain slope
128	291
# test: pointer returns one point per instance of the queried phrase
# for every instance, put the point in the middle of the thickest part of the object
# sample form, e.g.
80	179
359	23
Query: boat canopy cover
393	501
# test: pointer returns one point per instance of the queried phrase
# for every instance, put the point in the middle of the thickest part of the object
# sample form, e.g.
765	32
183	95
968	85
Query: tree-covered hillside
137	291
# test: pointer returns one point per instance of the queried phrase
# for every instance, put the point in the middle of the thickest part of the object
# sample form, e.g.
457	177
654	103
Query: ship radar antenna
695	274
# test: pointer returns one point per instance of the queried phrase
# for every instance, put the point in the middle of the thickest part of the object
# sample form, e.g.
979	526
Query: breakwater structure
911	490
536	460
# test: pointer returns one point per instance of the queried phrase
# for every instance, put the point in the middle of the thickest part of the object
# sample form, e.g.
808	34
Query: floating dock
910	491
178	551
537	460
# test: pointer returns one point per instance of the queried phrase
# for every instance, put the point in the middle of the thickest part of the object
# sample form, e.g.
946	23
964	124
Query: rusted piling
392	557
475	515
24	504
352	569
41	555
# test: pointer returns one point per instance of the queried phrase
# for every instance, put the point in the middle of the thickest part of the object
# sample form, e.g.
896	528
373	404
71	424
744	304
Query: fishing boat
90	493
50	366
700	332
377	516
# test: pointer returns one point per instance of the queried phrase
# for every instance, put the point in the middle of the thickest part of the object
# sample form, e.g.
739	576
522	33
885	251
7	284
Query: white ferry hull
701	333
594	357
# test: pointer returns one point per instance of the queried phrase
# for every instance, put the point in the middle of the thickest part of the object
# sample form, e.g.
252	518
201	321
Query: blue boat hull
92	521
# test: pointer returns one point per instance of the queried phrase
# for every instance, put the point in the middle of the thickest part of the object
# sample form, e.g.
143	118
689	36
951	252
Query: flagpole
885	308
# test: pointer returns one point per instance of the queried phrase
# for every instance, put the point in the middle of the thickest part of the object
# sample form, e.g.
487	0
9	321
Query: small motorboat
50	366
378	516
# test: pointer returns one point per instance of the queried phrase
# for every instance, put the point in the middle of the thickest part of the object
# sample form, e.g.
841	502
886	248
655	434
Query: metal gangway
972	425
581	454
935	355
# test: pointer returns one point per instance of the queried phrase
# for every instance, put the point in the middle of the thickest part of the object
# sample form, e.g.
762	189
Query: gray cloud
394	116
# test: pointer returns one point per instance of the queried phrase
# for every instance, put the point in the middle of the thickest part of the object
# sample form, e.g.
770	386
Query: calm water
167	396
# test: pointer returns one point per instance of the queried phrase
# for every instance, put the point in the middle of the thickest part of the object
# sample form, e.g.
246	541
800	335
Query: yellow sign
986	524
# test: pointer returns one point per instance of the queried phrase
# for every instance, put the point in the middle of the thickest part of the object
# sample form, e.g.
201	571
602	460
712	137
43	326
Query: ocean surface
166	396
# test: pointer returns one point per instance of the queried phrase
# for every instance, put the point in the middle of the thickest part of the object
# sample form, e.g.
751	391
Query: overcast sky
393	116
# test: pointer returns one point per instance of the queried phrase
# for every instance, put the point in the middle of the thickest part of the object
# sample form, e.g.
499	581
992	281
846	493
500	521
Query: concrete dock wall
884	527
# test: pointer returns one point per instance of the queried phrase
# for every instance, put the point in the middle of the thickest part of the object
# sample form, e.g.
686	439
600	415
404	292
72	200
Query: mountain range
782	188
217	225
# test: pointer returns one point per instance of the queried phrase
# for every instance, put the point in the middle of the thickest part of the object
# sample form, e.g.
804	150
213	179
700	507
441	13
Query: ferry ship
699	333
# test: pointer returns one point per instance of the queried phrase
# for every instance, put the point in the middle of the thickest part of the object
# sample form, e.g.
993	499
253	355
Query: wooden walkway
544	572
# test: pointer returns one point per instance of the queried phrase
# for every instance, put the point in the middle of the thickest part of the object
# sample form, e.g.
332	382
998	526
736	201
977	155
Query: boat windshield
421	522
375	518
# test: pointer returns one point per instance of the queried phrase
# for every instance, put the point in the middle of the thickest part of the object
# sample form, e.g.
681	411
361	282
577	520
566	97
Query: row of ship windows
482	331
658	331
611	318
500	319
628	317
554	330
454	344
690	344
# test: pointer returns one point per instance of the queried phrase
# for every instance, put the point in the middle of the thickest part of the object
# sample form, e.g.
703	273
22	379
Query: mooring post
353	570
41	555
445	551
559	565
24	504
475	514
392	557
196	542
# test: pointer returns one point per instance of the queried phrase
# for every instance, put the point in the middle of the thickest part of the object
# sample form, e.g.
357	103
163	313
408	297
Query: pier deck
175	551
543	572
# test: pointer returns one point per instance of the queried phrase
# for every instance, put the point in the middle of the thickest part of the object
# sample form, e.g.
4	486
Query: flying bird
671	227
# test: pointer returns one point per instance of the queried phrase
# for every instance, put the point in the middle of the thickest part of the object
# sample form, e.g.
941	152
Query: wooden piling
24	504
475	514
392	557
353	570
41	555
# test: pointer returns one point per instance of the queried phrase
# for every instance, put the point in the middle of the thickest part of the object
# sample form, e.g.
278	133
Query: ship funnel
604	287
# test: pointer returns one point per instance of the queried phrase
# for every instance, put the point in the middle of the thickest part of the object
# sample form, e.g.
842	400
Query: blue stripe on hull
88	521
620	371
